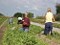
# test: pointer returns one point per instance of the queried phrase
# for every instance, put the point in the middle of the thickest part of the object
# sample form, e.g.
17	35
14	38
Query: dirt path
1	35
49	41
2	31
37	24
57	22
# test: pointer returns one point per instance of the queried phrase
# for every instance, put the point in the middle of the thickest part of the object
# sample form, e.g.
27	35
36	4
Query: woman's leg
51	27
26	30
46	31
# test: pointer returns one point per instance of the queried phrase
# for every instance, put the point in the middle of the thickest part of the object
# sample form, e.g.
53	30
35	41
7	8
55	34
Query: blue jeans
25	30
48	28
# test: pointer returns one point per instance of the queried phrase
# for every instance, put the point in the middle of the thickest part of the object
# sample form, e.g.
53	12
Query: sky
38	7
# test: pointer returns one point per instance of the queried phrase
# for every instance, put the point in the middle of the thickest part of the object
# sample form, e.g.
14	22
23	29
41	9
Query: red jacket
27	20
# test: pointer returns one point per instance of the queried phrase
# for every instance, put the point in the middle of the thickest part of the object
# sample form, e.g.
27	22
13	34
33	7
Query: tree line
19	14
1	14
57	16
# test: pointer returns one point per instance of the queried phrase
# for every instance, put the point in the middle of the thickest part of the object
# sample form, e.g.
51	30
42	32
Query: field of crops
17	37
56	25
2	19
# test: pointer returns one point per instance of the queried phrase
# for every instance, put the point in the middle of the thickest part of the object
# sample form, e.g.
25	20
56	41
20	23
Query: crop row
2	20
17	37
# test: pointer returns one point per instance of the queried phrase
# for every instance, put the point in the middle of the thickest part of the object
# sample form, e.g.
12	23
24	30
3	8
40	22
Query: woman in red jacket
25	23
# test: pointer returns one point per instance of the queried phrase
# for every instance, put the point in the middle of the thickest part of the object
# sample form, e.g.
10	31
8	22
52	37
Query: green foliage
57	17
37	20
56	25
35	29
13	37
2	20
57	12
19	37
56	35
39	17
18	14
1	14
30	15
57	8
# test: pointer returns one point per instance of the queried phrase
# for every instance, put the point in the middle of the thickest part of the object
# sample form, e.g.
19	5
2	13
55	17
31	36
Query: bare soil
49	41
1	35
2	31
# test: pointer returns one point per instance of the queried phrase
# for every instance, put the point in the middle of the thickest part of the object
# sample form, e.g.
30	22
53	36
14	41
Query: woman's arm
45	18
53	19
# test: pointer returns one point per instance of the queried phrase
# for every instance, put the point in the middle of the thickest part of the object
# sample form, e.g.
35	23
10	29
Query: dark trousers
48	28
